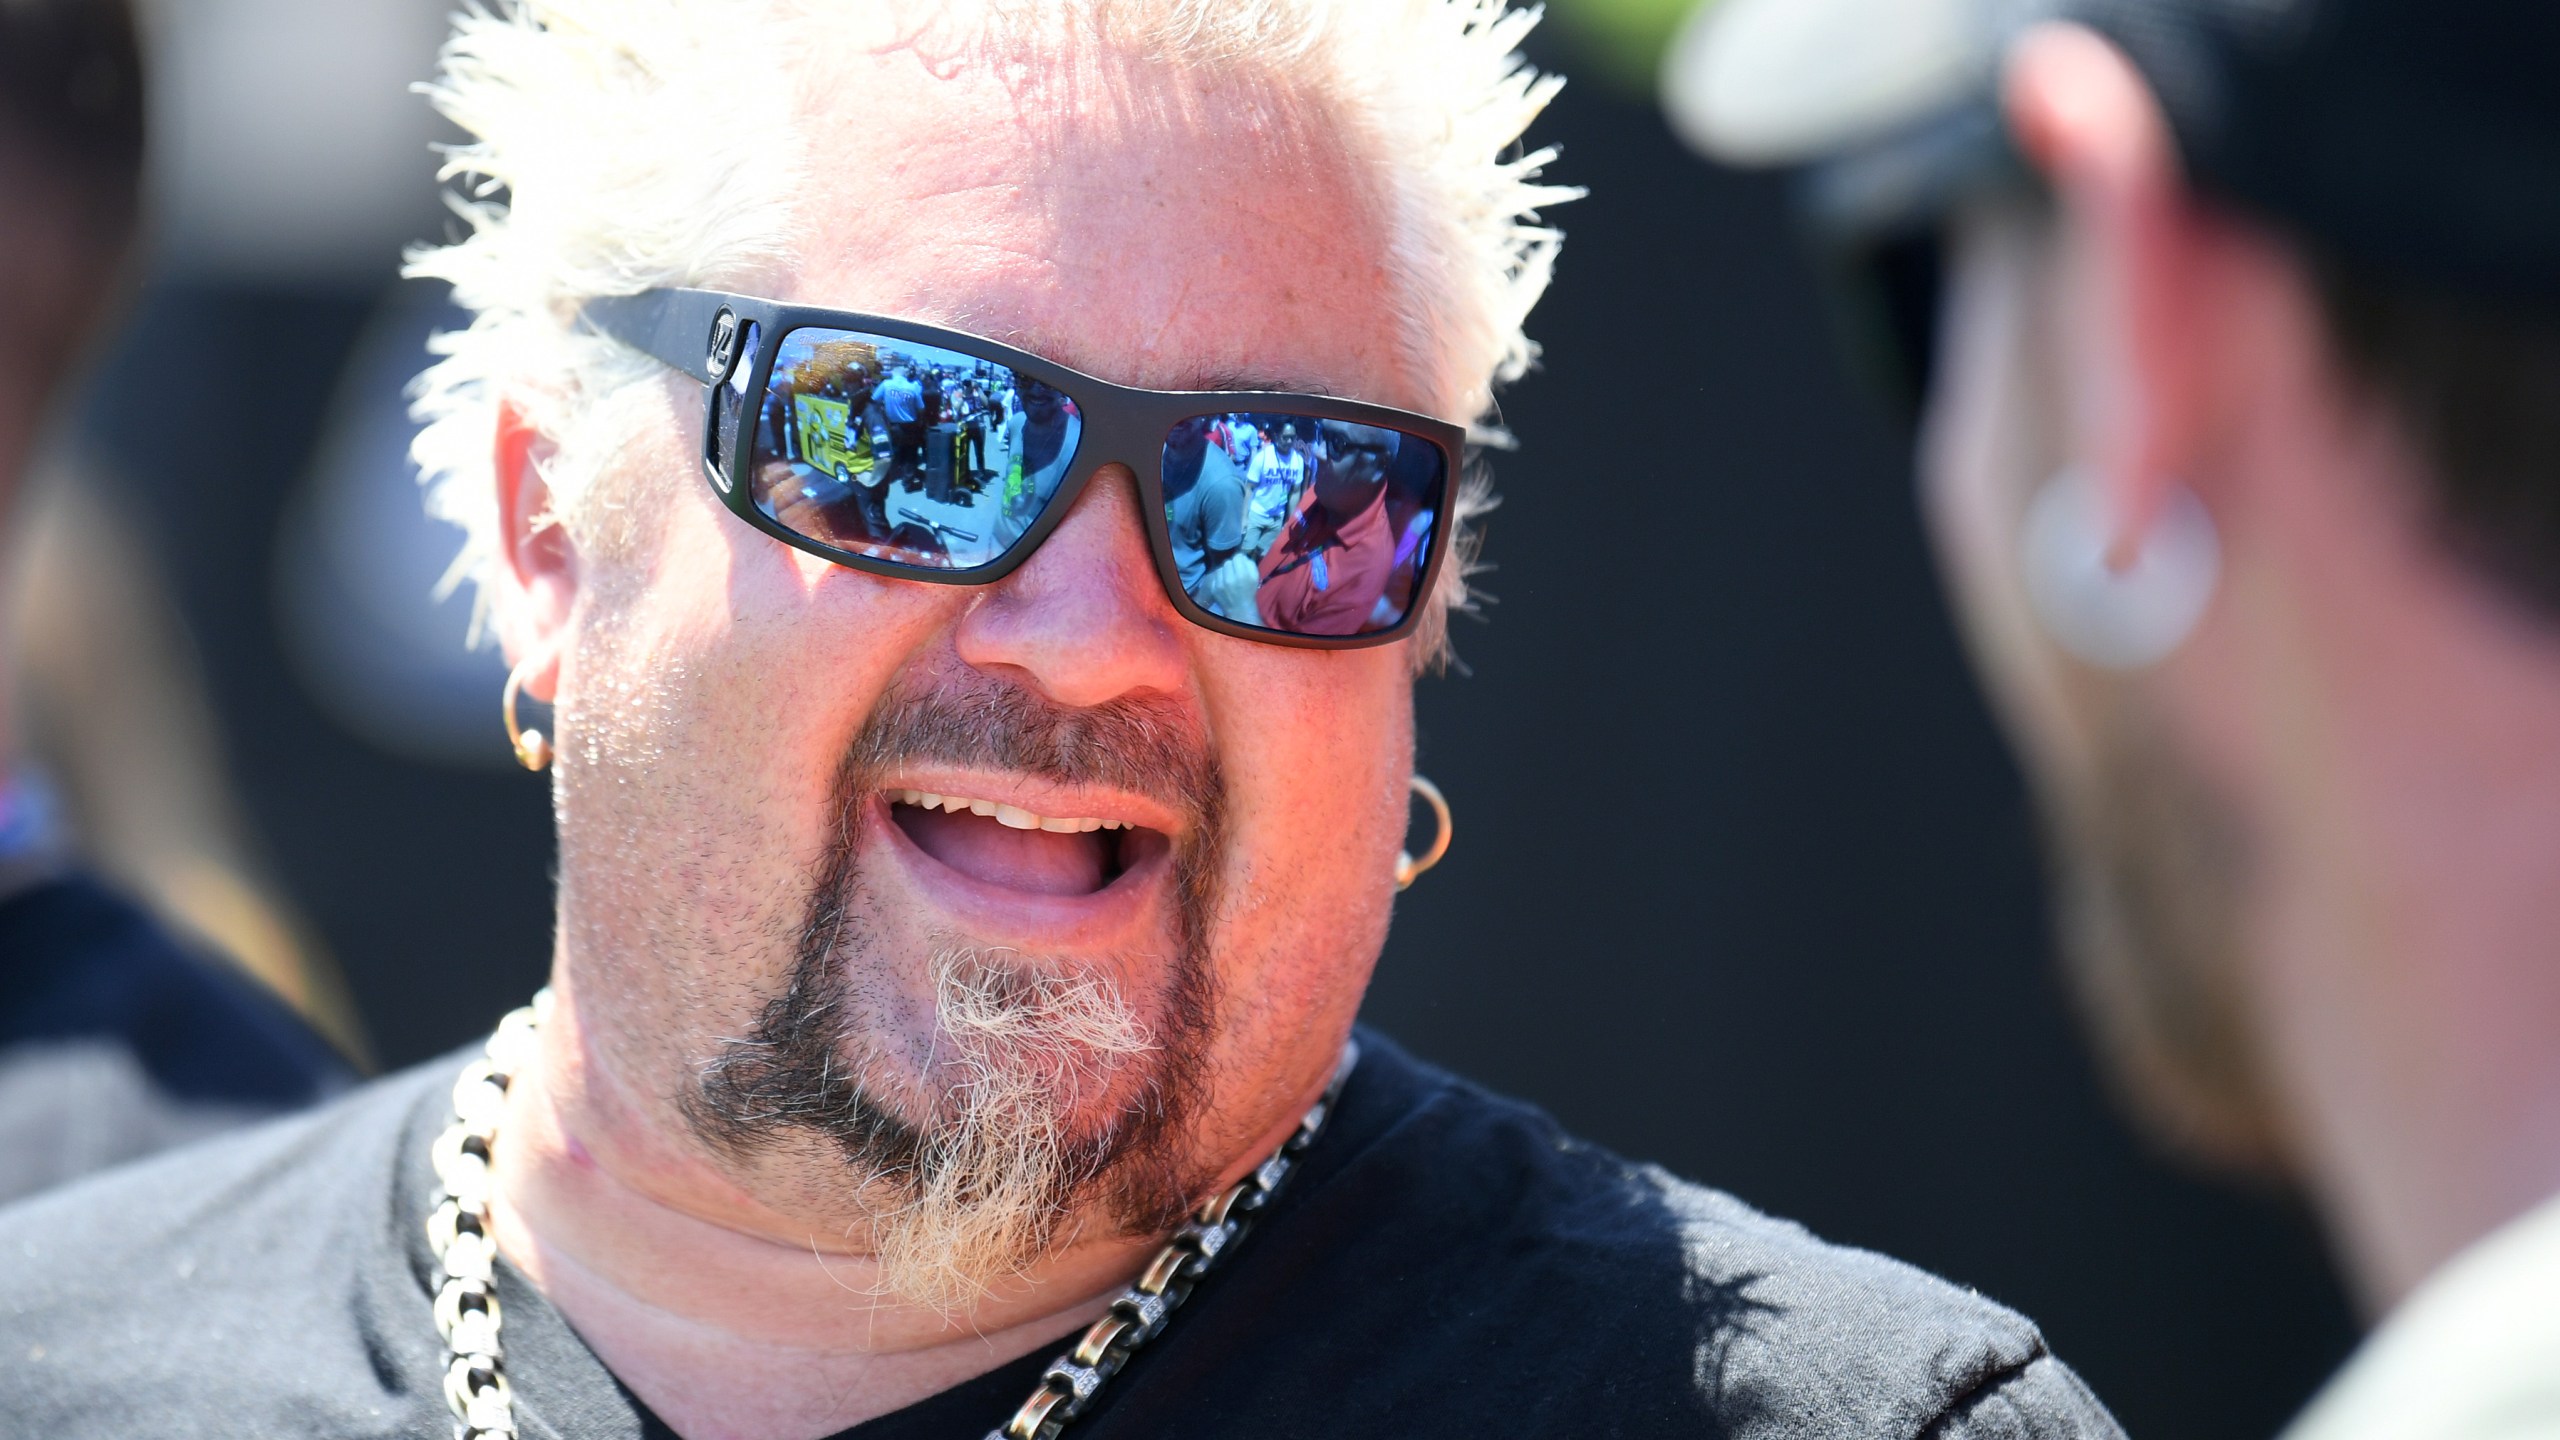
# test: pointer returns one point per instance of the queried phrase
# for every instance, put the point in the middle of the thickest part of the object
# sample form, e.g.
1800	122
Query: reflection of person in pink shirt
1328	575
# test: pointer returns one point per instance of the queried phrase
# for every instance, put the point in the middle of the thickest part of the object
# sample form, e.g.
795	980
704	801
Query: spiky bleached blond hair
615	149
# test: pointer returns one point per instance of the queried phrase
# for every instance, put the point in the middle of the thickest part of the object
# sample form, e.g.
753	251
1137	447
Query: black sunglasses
1878	217
928	454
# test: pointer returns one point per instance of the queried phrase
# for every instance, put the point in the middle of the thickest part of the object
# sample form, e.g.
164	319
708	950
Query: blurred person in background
115	1038
2238	328
951	972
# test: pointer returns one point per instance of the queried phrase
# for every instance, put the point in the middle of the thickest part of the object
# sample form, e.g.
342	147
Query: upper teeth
1002	814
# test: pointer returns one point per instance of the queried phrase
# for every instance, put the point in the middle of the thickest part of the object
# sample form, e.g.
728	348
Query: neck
730	1319
2409	881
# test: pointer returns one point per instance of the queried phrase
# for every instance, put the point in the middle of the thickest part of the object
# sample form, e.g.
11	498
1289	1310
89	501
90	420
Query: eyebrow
1044	345
1246	381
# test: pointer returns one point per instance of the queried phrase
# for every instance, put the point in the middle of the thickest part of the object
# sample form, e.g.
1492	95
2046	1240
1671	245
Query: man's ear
539	564
2142	265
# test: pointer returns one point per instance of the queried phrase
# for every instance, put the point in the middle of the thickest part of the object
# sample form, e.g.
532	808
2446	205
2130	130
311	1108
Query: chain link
466	1304
1138	1315
466	1309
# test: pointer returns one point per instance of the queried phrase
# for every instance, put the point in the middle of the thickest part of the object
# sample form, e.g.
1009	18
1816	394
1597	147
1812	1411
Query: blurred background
1744	882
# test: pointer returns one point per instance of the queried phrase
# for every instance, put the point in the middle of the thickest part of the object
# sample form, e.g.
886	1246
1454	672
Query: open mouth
1008	846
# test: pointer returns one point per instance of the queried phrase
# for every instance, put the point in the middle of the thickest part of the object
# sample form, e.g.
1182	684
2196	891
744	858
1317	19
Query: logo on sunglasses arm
724	344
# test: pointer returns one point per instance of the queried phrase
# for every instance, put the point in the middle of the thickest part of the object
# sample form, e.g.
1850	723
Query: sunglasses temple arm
671	326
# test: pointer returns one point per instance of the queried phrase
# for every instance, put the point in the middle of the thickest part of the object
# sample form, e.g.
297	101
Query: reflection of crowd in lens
1318	527
907	451
917	454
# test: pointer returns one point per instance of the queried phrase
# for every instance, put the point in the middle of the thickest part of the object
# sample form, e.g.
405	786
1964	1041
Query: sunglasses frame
698	333
1877	217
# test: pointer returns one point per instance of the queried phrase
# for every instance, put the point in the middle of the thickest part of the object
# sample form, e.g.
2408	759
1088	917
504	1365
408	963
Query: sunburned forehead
1155	225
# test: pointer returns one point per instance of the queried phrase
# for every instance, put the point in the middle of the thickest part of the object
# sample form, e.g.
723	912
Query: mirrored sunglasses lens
1302	525
906	452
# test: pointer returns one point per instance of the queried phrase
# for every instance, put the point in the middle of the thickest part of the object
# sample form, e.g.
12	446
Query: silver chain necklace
466	1306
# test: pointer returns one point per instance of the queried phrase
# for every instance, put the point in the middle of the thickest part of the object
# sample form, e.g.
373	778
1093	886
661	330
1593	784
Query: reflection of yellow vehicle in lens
828	440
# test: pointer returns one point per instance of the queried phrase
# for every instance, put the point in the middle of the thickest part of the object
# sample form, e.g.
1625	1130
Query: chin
993	1074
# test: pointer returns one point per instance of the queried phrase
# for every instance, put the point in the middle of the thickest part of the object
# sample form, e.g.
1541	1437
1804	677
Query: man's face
1188	440
2149	861
884	1022
1040	403
1351	468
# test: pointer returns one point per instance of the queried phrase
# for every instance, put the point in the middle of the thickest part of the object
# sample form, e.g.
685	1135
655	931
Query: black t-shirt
1446	1263
116	1041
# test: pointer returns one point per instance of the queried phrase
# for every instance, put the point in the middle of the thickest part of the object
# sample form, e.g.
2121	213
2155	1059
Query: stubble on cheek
2152	874
679	900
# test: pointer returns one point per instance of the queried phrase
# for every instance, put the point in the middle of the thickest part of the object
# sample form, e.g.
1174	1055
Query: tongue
1041	861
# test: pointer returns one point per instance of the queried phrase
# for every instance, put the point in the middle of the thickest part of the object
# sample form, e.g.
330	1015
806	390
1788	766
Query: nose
1085	619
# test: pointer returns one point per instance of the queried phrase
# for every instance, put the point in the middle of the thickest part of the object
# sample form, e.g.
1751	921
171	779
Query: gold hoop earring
1409	869
533	748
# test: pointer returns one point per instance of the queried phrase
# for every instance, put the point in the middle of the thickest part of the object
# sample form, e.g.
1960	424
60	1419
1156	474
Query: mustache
1148	745
1145	745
